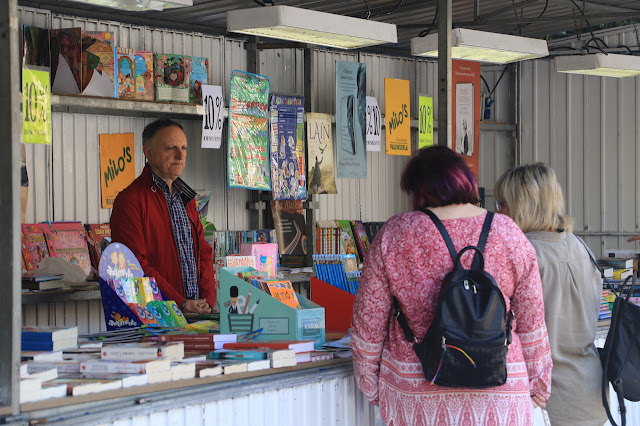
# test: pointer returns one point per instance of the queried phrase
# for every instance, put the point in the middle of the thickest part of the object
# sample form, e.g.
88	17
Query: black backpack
467	342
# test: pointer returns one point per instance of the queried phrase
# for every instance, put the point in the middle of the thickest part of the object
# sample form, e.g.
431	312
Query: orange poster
117	165
397	116
465	108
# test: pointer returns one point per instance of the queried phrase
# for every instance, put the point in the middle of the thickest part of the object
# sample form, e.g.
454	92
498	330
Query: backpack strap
443	232
486	227
597	266
408	334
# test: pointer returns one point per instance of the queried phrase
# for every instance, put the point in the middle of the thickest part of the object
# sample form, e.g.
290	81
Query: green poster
36	104
425	122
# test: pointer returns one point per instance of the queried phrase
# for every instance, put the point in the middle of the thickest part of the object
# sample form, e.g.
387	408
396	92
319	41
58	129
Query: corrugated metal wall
586	128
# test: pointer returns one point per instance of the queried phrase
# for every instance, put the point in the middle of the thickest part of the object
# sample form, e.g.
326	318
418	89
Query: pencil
246	303
253	308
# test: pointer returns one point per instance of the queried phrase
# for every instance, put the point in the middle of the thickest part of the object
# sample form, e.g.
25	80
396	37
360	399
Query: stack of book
195	342
42	338
339	270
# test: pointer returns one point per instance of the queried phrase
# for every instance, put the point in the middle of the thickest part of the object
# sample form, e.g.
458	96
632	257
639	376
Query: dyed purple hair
437	176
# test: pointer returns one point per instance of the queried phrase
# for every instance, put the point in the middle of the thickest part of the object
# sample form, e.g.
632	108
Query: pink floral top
408	261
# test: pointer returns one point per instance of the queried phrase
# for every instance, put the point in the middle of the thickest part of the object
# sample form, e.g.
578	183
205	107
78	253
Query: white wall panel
285	69
586	129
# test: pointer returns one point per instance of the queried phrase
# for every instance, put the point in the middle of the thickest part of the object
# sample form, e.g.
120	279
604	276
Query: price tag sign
425	122
213	117
374	124
36	107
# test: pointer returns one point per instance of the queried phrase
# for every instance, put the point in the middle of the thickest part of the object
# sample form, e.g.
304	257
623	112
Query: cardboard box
246	308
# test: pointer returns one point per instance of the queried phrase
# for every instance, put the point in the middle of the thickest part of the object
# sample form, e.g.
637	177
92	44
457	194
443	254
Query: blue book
46	333
249	354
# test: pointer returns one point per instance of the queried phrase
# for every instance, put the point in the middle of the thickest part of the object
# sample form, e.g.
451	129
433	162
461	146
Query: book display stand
245	308
337	304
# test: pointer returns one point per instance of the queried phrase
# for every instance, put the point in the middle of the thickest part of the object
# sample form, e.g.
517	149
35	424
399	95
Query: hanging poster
465	115
98	64
213	116
288	170
320	151
117	165
425	122
247	158
36	104
351	106
397	116
374	125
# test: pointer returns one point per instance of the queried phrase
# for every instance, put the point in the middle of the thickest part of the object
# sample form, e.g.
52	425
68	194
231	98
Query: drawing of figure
122	261
316	179
465	137
233	294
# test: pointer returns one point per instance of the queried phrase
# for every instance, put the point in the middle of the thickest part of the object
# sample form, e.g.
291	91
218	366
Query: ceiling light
482	46
610	65
139	5
310	26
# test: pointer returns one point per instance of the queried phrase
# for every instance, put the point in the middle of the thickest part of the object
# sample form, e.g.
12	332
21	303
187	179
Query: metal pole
10	120
444	73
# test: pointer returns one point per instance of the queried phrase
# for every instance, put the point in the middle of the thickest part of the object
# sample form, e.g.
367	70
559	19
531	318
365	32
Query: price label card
425	122
36	107
213	117
374	124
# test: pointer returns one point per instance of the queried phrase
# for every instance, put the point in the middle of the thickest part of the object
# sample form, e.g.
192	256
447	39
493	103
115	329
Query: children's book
66	53
171	78
347	239
98	237
34	244
135	74
69	241
283	291
198	76
35	46
360	236
98	64
290	223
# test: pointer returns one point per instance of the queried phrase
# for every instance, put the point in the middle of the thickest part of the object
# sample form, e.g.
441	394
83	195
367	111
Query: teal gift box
245	308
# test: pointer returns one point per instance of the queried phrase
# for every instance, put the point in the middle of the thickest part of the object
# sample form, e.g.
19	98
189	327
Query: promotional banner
213	116
117	165
288	169
320	151
425	121
36	107
374	125
351	105
397	116
248	158
465	115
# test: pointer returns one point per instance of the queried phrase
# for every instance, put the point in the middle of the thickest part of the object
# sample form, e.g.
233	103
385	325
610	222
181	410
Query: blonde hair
534	198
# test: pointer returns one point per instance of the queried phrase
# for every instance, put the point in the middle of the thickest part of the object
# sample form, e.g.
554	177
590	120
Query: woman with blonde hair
572	289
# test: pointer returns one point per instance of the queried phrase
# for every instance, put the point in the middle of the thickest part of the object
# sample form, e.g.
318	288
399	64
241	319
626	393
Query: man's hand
635	237
197	306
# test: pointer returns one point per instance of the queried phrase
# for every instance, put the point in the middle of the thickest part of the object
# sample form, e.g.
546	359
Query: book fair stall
296	150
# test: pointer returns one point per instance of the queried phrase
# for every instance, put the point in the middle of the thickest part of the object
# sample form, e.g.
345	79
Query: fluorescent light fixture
139	5
310	26
610	65
482	46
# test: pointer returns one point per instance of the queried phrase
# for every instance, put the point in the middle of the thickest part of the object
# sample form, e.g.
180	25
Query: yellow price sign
425	122
36	107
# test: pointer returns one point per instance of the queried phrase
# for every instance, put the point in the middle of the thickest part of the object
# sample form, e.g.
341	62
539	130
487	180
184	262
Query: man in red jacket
156	217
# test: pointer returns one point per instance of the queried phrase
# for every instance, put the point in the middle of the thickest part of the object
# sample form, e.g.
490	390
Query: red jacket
140	220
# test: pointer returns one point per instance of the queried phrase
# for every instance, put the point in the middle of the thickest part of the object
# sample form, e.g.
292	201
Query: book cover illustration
35	244
320	154
360	236
290	223
347	239
35	46
171	78
98	64
288	170
65	60
135	74
99	237
351	105
464	118
69	241
198	76
248	157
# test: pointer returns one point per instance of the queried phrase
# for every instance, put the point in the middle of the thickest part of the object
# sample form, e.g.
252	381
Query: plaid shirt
182	235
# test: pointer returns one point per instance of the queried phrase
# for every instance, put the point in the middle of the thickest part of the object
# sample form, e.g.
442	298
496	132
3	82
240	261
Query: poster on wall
351	105
117	165
425	122
374	124
248	157
320	152
213	116
288	169
465	115
397	116
36	107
